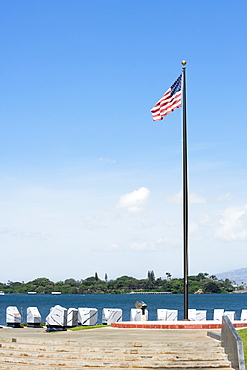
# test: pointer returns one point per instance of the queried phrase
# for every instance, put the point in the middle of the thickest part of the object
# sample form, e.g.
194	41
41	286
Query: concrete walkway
105	334
110	348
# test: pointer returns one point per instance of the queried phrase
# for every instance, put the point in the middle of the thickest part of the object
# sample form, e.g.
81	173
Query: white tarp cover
57	316
87	316
110	315
136	314
165	314
13	316
72	317
33	315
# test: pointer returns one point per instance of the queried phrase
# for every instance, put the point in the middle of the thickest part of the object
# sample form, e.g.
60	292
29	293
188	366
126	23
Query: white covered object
57	316
201	315
136	315
243	315
110	315
161	314
172	315
167	315
13	316
230	314
33	315
192	314
218	313
72	317
87	316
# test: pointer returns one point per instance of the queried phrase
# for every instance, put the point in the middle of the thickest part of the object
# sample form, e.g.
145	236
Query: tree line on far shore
201	283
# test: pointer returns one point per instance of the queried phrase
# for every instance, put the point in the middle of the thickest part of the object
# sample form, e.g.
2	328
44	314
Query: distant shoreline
149	293
240	291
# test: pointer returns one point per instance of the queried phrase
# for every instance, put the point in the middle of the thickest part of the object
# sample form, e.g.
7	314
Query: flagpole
185	194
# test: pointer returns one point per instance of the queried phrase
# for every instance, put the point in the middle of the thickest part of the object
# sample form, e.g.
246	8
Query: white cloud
94	222
38	235
201	222
203	219
233	224
107	160
224	197
175	198
172	223
193	198
196	199
193	227
139	247
135	201
167	241
111	248
158	245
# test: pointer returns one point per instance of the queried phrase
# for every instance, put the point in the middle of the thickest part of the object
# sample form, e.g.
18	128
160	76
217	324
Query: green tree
177	286
227	285
125	283
202	276
71	282
166	286
151	276
168	276
213	277
43	285
82	289
212	287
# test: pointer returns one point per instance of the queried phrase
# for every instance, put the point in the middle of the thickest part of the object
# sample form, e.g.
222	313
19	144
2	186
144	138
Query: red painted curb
177	325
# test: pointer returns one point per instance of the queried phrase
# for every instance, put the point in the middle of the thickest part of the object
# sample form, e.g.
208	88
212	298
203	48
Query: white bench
230	314
197	315
218	313
243	316
33	316
164	314
72	317
201	315
13	316
136	315
87	316
192	314
57	317
110	315
172	315
161	314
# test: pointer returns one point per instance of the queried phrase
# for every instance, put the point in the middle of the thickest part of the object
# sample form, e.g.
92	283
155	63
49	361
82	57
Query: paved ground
108	334
110	348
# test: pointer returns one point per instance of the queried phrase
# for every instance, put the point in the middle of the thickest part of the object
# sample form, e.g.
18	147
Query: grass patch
88	327
243	335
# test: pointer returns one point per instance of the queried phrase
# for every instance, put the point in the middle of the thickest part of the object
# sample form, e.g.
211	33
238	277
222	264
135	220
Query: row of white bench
199	315
60	316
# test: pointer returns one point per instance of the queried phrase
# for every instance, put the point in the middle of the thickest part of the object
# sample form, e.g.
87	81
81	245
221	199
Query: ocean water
230	302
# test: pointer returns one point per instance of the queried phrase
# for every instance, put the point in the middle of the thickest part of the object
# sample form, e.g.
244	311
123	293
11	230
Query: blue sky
88	182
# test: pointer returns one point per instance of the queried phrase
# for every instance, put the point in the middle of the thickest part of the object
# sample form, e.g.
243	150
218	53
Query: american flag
171	100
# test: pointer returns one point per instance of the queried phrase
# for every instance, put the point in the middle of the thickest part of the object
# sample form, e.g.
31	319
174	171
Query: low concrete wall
214	335
232	344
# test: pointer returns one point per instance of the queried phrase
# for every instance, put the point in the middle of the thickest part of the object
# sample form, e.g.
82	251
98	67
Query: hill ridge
239	275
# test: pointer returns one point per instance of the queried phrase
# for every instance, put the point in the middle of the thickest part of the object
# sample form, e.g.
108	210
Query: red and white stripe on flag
171	100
